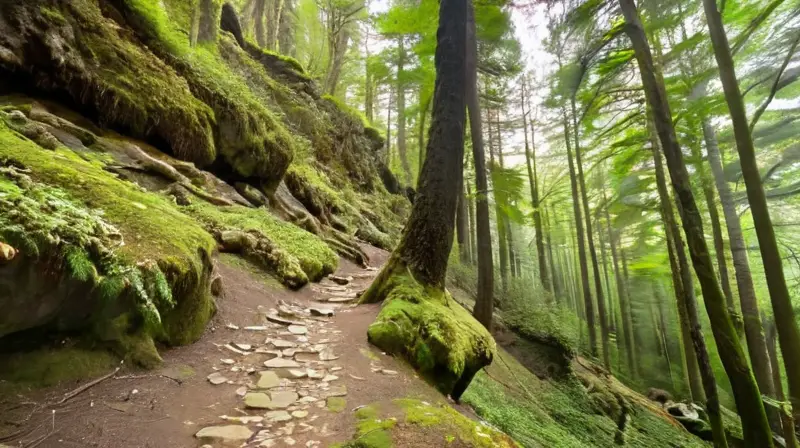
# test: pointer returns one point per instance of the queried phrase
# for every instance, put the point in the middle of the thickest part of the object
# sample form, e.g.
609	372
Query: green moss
371	431
426	326
348	110
335	404
452	425
548	413
53	15
292	62
48	367
252	268
295	245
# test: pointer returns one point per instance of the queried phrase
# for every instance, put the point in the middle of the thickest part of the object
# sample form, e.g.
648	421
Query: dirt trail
167	407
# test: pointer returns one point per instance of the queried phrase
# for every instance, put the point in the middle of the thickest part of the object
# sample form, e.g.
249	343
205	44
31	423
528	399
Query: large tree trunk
419	319
274	13
751	315
576	209
423	115
788	333
748	398
401	109
484	303
787	421
598	282
258	15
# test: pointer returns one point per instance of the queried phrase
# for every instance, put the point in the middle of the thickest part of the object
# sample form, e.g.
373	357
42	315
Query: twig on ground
87	386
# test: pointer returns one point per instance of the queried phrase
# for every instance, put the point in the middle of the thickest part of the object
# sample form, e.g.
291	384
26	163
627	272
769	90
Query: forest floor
167	407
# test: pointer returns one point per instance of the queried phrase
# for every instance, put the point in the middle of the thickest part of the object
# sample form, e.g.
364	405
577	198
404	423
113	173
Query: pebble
216	378
298	329
227	361
226	434
300	414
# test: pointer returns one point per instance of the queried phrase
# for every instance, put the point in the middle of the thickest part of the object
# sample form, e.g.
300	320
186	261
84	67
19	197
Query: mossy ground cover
561	414
314	257
404	421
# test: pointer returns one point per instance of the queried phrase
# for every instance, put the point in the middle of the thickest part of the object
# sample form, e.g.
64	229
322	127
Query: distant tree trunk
462	228
748	399
576	209
787	421
662	323
337	53
555	274
598	282
286	31
751	315
484	304
473	248
624	306
512	255
273	23
788	333
610	306
258	14
530	162
388	155
401	109
502	239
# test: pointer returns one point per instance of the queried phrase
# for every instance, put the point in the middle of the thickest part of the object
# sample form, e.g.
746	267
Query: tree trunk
258	13
576	209
622	293
598	282
788	333
502	240
681	277
748	398
339	42
273	23
462	228
512	255
787	421
473	247
530	162
388	155
751	315
423	115
401	110
662	323
610	305
555	274
286	30
485	301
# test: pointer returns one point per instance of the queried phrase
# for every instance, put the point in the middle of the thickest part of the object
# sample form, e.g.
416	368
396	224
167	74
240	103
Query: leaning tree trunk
682	284
484	303
748	398
576	209
419	319
598	282
788	333
751	315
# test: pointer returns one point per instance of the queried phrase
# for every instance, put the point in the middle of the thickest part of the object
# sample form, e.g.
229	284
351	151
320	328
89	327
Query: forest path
167	407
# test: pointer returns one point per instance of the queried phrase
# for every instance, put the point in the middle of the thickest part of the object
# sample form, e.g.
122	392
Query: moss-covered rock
427	327
410	422
96	254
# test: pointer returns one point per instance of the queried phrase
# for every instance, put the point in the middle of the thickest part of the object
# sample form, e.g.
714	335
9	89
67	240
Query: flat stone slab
339	279
281	363
216	378
227	433
278	416
258	400
280	343
336	391
283	398
280	320
341	299
325	312
298	329
268	380
327	355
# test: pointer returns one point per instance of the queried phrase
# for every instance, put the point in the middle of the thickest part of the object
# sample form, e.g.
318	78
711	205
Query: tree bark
555	273
423	115
610	305
598	282
274	13
751	315
788	333
258	13
748	398
473	247
787	421
576	209
502	240
484	304
530	162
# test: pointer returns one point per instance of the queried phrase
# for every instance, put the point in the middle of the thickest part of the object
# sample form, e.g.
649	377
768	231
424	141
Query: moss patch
299	249
547	413
335	404
48	367
426	326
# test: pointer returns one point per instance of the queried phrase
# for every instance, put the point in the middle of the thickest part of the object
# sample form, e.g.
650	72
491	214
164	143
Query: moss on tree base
429	329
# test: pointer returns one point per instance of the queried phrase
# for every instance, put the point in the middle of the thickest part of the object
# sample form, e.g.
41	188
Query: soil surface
169	406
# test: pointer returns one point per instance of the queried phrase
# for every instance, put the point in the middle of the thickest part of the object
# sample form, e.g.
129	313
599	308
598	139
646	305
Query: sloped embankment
136	141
